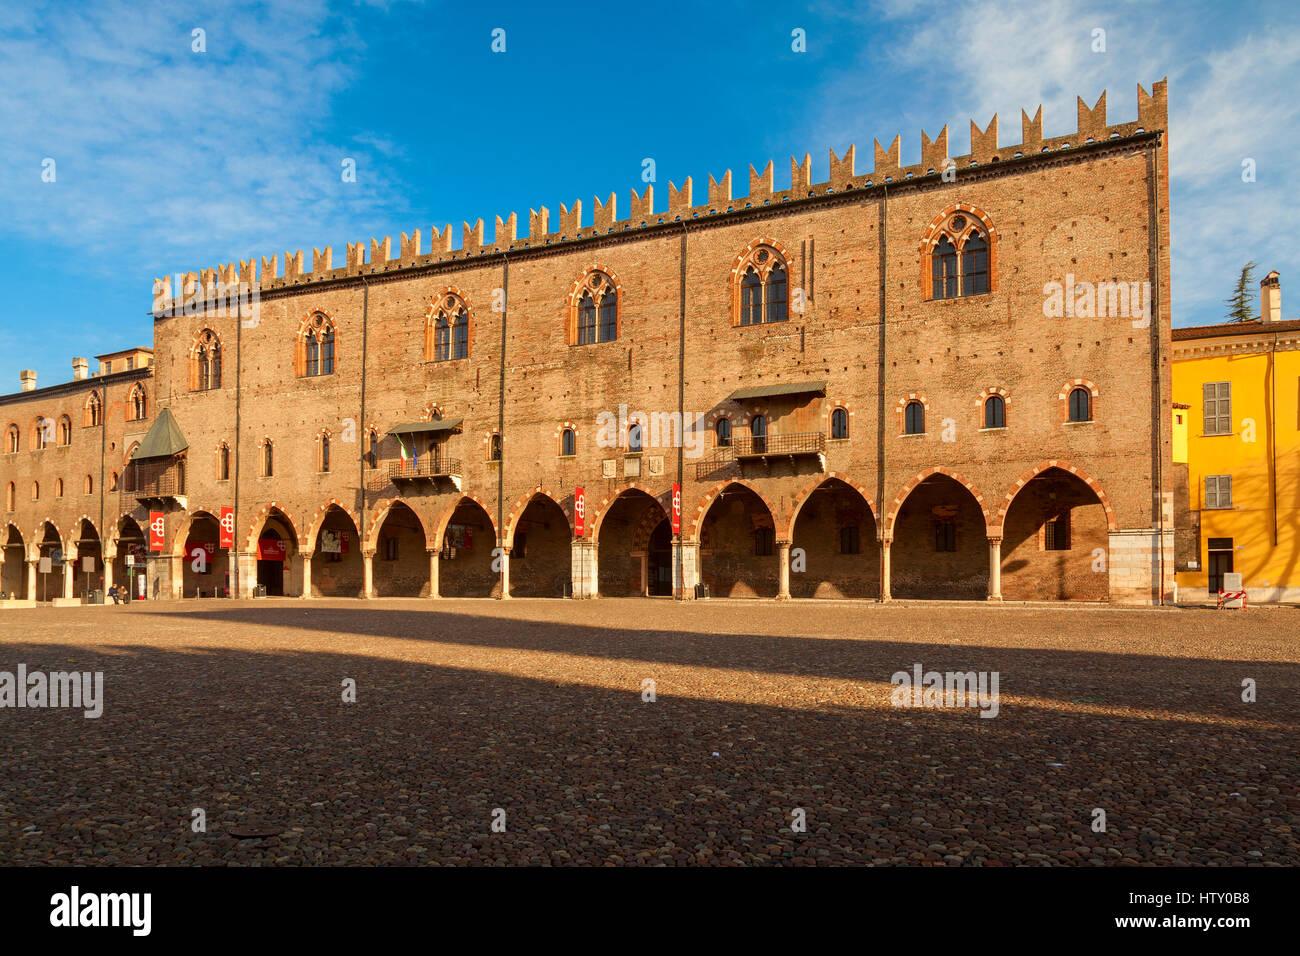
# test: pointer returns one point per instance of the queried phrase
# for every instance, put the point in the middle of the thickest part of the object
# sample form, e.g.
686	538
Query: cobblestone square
761	710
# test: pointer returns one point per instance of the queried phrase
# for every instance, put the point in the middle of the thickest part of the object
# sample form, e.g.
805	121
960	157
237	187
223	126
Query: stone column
306	576
583	568
885	546
109	557
505	572
783	592
686	556
433	572
68	583
368	587
176	564
31	579
246	563
995	568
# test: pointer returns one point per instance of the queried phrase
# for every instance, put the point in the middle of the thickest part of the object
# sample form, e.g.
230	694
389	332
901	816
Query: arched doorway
465	562
88	577
623	544
401	565
941	547
337	567
738	553
1055	540
49	584
540	552
277	546
834	551
659	572
13	573
205	566
129	562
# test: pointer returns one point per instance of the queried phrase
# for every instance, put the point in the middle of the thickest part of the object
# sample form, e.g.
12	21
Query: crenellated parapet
1091	127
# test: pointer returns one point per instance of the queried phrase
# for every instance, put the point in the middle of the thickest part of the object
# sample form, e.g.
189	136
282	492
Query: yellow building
1236	425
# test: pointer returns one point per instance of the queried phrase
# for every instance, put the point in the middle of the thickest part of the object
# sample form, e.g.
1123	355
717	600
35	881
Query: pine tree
1240	307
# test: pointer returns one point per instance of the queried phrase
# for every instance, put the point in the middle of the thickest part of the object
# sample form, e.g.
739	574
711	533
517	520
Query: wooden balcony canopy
771	391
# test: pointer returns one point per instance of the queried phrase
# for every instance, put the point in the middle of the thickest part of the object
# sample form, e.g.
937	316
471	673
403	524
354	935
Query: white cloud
1231	96
175	158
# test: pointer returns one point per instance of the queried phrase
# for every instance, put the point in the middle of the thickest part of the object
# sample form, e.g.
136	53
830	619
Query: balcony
429	468
155	481
751	447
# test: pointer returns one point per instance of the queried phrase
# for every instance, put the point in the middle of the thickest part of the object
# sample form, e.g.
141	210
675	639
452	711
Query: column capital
995	539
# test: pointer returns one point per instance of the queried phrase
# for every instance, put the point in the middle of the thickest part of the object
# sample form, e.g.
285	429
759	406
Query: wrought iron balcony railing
773	446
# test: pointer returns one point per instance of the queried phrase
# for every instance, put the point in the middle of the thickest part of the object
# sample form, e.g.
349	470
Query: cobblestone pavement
535	707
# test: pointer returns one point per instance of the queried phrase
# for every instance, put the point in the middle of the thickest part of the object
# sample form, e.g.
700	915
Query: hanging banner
579	512
227	528
156	527
270	549
677	508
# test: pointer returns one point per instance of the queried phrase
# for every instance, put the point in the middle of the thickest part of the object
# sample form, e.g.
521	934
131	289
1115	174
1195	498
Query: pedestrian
112	592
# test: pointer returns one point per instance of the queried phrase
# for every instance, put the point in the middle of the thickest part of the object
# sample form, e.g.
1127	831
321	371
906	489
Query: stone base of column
686	569
583	571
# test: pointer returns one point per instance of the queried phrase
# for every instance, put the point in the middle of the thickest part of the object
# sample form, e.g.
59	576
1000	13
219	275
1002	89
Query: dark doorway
270	573
1219	562
660	571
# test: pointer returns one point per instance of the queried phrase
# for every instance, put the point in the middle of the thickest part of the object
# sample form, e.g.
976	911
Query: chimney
1270	298
28	378
80	369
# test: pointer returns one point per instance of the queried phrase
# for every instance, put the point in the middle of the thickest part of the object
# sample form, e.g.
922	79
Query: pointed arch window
138	403
325	452
372	453
763	288
567	443
13	440
722	429
268	458
316	346
94	410
960	257
58	487
205	361
595	316
65	430
447	332
223	462
758	432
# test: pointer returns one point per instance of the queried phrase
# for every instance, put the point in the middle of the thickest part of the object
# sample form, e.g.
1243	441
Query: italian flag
403	448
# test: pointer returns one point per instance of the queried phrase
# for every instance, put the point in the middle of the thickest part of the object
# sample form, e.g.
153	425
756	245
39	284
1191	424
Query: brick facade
794	510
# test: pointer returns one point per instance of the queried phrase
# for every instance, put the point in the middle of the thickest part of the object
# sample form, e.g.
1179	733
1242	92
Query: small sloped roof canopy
769	391
163	440
451	425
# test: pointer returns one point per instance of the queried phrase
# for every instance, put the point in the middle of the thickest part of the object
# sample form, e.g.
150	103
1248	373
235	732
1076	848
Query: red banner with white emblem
227	528
677	508
156	528
579	512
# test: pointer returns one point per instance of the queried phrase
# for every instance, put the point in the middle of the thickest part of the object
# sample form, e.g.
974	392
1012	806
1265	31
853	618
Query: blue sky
168	160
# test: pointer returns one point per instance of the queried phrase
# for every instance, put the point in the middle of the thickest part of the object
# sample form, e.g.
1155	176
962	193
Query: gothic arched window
595	314
205	361
316	346
762	291
960	254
